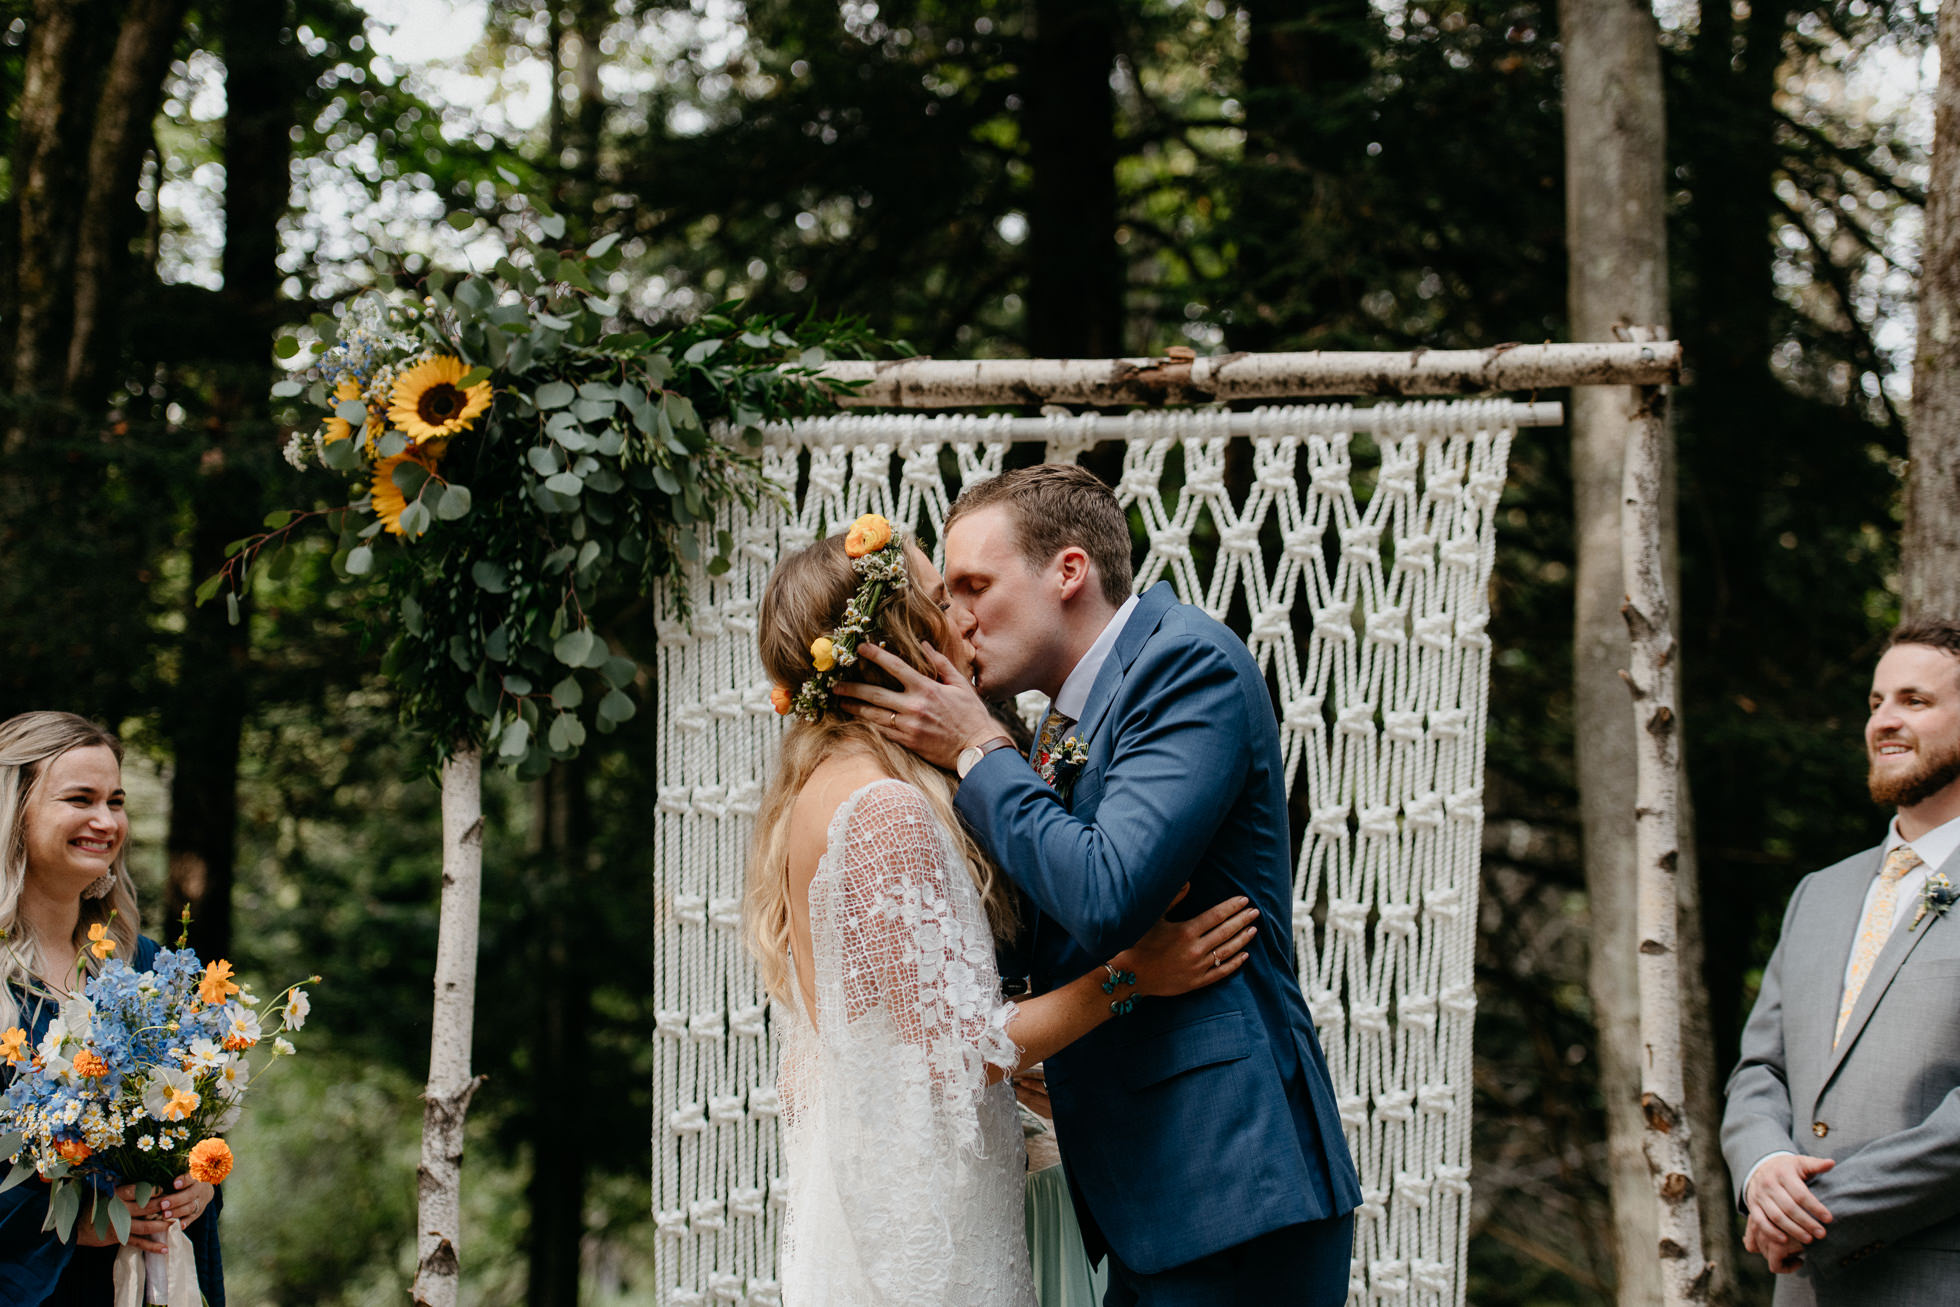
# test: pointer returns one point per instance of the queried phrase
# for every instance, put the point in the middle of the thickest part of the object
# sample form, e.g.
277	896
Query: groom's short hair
1056	505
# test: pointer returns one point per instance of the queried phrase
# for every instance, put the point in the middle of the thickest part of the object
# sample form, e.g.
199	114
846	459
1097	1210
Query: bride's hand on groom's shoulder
1176	957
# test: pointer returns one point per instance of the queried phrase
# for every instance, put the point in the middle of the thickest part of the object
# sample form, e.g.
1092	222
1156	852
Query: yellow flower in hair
428	404
867	535
823	654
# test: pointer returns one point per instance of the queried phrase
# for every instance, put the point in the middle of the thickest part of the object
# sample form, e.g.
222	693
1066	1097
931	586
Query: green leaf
567	694
409	478
66	1206
390	444
278	518
553	394
455	503
517	684
288	389
205	592
680	410
351	411
516	739
119	1219
588	552
11	1143
231	607
360	560
21	1172
341	455
496	645
616	707
145	1191
701	350
474	293
559	559
490	577
597	249
461	221
280	565
552	226
411	615
543	459
564	484
567	733
285	347
592	410
618	671
473	376
415	519
574	647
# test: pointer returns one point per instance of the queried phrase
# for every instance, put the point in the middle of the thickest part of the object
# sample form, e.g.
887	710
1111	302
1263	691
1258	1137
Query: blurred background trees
987	177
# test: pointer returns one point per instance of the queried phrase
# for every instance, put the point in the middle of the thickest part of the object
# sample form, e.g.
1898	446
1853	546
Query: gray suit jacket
1884	1104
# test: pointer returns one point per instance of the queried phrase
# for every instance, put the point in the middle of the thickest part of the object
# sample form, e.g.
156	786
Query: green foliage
605	451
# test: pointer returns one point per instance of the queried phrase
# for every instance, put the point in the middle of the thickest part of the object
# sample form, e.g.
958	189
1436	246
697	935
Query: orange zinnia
216	986
89	1065
867	535
73	1151
211	1161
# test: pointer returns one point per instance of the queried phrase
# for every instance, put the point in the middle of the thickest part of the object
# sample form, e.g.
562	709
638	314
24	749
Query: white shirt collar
1073	697
1933	848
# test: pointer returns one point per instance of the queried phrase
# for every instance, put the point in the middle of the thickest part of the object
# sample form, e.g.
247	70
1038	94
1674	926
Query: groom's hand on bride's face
933	716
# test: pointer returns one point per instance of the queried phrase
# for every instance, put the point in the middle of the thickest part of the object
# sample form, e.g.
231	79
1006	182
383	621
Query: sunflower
339	428
428	403
386	497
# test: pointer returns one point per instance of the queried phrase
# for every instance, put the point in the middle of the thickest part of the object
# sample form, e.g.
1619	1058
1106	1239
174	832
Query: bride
873	918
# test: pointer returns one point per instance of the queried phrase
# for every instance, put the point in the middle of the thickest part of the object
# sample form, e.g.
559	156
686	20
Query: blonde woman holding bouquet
66	905
873	918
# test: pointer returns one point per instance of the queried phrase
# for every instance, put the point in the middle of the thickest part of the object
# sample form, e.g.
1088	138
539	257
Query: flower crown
879	557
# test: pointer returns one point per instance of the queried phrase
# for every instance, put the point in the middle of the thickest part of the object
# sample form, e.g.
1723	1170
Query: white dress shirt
1073	697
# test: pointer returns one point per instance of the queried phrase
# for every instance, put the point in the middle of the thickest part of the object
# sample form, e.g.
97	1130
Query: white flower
147	1143
170	1095
233	1076
283	1048
205	1055
241	1027
297	1007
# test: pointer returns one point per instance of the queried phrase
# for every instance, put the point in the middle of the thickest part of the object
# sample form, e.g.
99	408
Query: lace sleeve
908	995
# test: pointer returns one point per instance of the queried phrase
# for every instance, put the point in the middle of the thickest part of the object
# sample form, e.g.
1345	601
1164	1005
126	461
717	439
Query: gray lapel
1897	949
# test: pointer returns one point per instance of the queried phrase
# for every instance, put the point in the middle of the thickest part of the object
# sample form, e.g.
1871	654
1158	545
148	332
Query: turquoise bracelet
1120	1007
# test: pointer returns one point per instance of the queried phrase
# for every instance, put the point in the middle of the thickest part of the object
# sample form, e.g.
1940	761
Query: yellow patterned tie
1875	930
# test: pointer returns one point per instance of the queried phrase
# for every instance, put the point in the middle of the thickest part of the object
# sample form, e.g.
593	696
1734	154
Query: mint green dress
1063	1276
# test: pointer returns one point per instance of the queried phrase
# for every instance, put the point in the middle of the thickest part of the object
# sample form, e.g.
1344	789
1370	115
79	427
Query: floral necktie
1875	930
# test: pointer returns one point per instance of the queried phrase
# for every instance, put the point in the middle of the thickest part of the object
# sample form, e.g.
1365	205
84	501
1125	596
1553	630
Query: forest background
1079	178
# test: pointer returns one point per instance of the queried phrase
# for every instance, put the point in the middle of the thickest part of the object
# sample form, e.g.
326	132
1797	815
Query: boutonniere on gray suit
1937	896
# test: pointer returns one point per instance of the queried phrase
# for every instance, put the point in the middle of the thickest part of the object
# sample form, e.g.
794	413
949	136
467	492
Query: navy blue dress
37	1269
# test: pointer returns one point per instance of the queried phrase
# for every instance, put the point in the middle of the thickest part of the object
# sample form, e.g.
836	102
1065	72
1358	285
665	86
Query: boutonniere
1062	764
1936	898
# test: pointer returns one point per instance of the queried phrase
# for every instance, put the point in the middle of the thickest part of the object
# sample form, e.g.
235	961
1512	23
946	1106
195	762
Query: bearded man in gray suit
1842	1131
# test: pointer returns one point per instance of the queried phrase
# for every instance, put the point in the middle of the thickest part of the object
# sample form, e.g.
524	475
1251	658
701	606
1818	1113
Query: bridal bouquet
135	1081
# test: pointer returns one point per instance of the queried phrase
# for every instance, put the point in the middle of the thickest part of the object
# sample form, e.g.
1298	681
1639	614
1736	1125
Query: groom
1200	1132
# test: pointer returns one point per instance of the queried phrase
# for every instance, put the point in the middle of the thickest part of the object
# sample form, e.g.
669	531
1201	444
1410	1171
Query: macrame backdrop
1356	567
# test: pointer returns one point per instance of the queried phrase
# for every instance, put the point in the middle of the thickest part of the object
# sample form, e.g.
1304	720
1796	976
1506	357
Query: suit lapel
1150	610
1898	947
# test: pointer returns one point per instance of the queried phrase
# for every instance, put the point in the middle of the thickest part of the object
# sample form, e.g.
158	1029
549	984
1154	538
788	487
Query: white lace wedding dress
905	1166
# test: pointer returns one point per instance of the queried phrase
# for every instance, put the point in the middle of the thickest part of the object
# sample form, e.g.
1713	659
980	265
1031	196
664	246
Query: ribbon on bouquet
165	1279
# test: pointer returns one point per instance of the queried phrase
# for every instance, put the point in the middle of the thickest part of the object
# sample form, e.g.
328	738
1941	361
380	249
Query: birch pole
446	1100
1684	1269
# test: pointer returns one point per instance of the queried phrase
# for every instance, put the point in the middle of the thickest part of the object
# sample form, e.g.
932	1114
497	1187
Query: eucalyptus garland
517	452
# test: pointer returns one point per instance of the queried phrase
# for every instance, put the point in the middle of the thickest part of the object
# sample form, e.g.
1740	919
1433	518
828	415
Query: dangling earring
100	887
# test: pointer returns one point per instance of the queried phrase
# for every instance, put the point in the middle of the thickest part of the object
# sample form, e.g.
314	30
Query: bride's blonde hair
805	599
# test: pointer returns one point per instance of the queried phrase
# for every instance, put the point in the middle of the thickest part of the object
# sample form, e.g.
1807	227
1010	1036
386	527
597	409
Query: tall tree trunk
559	1162
1617	246
212	688
1931	555
132	88
1306	62
67	46
1075	272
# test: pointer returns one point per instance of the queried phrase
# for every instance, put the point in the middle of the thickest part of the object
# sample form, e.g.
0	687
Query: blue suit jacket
1197	1122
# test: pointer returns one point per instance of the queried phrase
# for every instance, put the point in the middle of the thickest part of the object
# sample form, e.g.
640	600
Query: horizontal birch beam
1182	378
